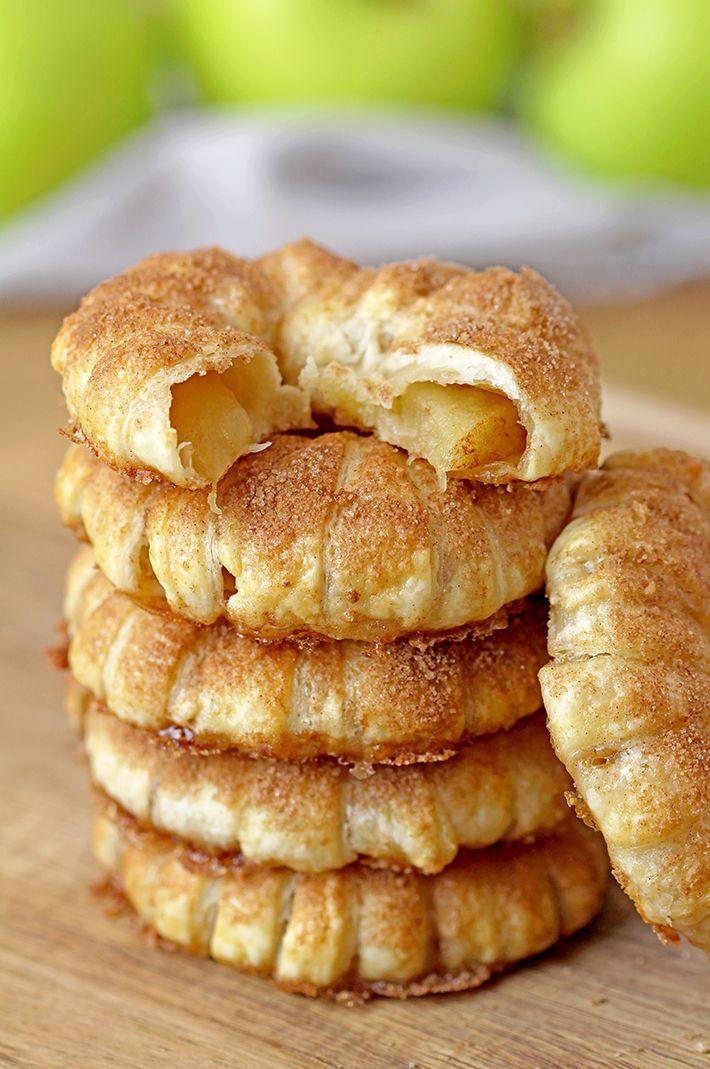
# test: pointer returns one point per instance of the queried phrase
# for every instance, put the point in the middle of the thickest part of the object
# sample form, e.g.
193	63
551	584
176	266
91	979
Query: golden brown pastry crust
212	688
320	815
628	690
136	336
360	931
336	535
338	331
375	332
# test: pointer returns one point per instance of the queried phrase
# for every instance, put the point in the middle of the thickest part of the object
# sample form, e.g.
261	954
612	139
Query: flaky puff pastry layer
361	931
336	535
361	702
320	815
173	368
486	374
127	352
628	690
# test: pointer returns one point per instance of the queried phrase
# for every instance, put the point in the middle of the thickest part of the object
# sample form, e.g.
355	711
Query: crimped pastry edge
312	818
351	989
336	536
397	704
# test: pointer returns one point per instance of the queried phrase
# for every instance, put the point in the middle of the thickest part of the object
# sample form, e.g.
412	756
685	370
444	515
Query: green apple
628	93
456	53
73	79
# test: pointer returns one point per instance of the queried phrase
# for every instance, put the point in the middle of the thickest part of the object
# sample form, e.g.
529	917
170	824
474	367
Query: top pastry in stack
306	632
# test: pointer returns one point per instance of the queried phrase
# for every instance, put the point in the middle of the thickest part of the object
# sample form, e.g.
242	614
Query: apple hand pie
487	375
360	702
174	368
319	815
628	689
167	369
336	535
360	931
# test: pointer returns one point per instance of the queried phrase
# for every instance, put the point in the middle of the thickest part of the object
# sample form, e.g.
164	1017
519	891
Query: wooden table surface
79	989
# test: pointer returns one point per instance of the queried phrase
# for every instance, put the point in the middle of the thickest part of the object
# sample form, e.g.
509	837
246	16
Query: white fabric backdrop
374	188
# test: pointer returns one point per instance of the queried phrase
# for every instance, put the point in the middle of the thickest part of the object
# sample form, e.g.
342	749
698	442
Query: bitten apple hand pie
175	367
358	701
337	535
487	375
167	369
628	690
320	815
360	931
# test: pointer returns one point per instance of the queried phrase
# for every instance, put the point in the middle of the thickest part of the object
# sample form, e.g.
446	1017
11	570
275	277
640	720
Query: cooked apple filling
219	416
458	429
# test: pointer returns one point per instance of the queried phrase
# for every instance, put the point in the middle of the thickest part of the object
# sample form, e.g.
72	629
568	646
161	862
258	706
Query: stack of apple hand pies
306	626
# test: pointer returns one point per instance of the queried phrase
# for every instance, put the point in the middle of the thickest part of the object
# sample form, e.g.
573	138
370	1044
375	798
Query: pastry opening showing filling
459	429
219	416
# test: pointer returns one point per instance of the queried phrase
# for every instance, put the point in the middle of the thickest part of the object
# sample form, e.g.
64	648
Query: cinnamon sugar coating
138	335
628	689
361	931
320	815
358	338
336	535
319	334
360	702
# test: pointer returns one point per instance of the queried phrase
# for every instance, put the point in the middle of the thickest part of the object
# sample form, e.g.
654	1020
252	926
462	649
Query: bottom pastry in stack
360	930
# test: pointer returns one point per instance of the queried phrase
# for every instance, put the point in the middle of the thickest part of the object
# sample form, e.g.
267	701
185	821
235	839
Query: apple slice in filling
459	429
219	416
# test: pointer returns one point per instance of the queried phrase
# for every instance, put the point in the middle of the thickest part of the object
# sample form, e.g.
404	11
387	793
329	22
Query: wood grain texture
80	989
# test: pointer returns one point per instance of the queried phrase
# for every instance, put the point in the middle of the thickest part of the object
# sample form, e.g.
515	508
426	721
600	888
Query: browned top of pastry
174	368
519	317
205	292
386	328
138	336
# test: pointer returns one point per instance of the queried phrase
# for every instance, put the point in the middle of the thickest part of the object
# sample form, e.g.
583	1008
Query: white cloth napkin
372	187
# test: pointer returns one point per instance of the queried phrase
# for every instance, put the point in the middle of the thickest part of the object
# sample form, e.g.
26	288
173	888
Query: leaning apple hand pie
487	375
337	535
167	369
362	702
359	931
320	815
628	689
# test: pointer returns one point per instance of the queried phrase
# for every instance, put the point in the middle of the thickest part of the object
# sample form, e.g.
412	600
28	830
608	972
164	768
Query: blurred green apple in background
627	94
73	79
456	53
